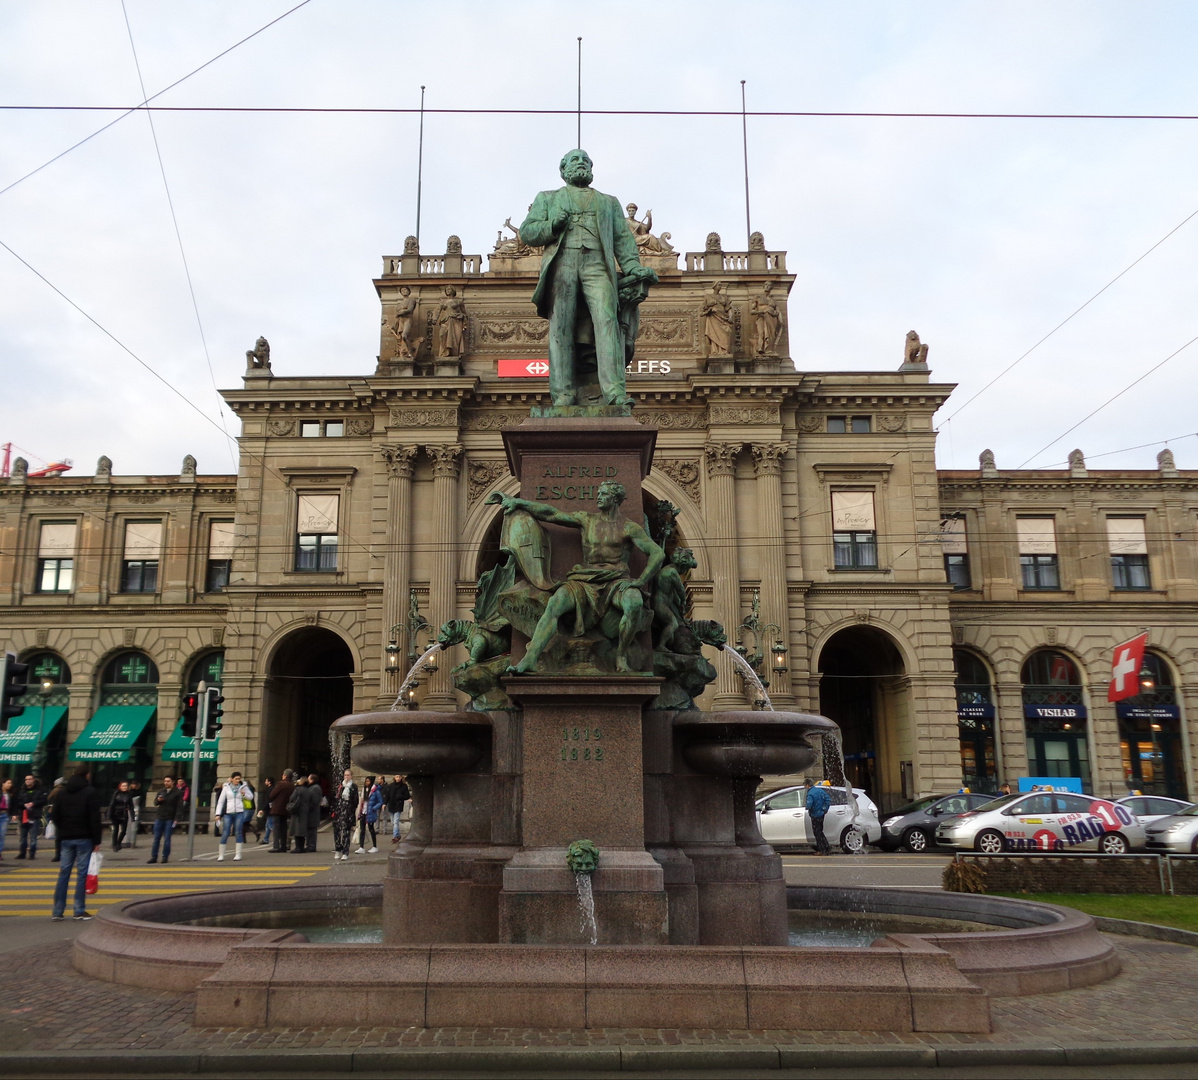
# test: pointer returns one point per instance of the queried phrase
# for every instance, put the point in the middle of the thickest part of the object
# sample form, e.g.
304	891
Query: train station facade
958	625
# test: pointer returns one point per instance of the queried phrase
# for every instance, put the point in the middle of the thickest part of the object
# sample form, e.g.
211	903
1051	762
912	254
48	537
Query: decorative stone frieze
281	428
766	413
423	416
672	419
892	422
493	421
685	473
481	476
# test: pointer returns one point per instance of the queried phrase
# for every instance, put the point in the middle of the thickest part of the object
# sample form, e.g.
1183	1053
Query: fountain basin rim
361	723
808	723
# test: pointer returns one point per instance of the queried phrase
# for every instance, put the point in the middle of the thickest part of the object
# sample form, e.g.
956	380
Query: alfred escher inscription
573	491
578	744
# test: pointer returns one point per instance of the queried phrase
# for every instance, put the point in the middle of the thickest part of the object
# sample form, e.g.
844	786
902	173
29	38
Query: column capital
399	460
767	458
721	458
445	459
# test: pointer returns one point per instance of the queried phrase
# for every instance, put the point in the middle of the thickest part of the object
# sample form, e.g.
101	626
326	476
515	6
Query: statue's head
404	291
610	494
450	291
630	209
683	560
577	168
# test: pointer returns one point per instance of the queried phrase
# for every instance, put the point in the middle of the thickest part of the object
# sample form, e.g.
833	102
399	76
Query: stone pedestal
583	780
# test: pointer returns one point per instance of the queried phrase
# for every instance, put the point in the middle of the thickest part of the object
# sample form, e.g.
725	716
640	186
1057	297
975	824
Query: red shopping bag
93	873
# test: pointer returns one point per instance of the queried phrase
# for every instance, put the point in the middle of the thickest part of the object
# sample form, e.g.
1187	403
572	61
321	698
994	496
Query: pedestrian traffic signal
12	687
191	714
214	713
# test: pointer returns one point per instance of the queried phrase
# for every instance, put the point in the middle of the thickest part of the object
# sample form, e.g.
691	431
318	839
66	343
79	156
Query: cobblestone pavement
50	1006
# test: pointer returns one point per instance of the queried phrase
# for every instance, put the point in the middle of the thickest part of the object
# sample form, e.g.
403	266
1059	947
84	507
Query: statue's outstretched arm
537	230
541	511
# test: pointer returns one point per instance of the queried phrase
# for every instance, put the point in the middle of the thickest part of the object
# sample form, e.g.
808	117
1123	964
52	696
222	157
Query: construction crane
54	468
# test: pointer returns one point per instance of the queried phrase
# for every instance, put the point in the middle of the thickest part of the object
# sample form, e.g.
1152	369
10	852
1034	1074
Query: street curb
596	1059
1146	930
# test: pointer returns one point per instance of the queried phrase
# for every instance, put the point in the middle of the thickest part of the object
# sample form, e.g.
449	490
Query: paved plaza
51	1008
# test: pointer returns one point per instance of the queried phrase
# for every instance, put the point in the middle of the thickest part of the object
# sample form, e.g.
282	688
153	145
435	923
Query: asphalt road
894	871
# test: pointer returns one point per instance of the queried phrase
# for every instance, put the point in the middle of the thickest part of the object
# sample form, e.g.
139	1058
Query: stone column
397	573
775	607
443	577
725	562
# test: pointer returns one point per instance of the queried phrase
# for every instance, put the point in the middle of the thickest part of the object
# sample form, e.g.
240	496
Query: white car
1150	808
1175	835
783	822
1044	821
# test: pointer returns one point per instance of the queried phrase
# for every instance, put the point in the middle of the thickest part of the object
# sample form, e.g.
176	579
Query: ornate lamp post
754	637
414	624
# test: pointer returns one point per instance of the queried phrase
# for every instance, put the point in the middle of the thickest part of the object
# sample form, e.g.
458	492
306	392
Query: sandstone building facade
958	625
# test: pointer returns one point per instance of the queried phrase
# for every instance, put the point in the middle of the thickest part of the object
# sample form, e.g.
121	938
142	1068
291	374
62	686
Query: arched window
208	668
47	669
1054	713
975	721
1150	734
130	678
38	736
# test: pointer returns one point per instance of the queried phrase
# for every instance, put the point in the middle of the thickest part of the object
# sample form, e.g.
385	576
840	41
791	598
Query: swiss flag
523	369
1125	669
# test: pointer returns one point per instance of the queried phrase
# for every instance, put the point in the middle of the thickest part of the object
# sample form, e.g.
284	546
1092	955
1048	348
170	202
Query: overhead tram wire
1063	322
128	110
178	236
1094	412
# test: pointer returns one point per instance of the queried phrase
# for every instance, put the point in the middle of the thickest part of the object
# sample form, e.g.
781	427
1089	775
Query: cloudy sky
981	234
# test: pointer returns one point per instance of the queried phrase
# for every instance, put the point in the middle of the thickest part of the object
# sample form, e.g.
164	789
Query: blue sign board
1125	710
1054	712
975	712
1056	783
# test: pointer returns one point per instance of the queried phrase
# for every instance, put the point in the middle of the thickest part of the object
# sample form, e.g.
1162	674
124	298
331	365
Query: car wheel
990	842
1194	846
852	841
915	840
1113	843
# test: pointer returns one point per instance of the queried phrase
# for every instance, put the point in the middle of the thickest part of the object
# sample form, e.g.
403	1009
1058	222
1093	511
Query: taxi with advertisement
1043	820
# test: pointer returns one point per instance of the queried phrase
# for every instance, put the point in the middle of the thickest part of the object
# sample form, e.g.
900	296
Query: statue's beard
579	176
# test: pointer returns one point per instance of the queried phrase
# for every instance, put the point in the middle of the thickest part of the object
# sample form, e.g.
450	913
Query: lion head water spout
582	857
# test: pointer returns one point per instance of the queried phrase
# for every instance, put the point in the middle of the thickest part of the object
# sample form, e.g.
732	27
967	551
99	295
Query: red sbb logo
523	369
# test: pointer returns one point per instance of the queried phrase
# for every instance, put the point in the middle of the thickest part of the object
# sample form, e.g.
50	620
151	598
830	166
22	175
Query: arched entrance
308	686
862	688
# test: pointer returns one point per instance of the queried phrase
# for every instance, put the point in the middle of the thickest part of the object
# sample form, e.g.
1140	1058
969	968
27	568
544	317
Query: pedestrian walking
316	800
345	812
280	796
395	794
31	802
8	806
231	806
264	814
297	815
166	809
369	809
818	801
252	813
120	810
75	811
50	830
135	807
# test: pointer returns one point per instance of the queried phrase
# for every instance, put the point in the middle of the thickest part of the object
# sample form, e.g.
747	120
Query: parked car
1150	808
1176	834
914	827
1044	821
782	818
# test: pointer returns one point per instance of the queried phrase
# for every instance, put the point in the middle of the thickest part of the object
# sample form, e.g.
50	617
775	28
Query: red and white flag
523	369
1125	669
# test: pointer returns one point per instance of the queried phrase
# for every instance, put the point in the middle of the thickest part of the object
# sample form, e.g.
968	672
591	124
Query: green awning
179	747
111	732
19	743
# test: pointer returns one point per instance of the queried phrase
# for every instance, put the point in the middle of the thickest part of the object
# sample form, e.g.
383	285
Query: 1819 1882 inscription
582	744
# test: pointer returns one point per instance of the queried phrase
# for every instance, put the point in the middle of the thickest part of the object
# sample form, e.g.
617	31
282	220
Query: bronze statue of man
589	253
603	580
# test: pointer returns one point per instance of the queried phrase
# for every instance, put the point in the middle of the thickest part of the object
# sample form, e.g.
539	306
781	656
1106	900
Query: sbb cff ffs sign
534	369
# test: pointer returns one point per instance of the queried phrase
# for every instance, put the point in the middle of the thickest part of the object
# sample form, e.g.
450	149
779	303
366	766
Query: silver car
782	819
1175	835
1150	808
1044	821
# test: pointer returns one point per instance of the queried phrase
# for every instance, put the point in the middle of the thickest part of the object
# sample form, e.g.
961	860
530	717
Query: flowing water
746	669
586	908
413	671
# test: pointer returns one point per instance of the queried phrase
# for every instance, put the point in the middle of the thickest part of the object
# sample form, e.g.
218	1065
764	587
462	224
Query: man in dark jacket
280	795
297	815
166	809
315	797
75	812
120	810
817	802
395	794
31	801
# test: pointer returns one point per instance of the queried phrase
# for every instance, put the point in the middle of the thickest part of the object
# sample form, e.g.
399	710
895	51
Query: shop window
130	678
1038	552
854	531
975	722
1129	553
316	533
1150	733
143	549
56	557
221	543
1055	715
956	552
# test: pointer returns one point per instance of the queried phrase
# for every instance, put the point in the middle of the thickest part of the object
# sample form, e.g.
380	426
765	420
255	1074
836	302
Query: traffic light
215	711
191	714
12	686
